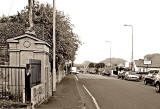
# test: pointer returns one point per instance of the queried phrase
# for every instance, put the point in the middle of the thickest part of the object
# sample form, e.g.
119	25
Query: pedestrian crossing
93	76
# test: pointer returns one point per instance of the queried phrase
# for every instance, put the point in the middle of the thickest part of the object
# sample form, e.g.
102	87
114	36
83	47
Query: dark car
106	72
157	82
150	78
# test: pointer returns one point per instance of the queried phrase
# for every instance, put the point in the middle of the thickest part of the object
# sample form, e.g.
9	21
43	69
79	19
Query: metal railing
12	83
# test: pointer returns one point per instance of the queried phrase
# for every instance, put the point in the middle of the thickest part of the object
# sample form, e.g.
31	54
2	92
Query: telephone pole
54	48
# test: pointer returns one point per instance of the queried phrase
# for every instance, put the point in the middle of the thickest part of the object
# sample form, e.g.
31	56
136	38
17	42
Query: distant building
147	64
126	64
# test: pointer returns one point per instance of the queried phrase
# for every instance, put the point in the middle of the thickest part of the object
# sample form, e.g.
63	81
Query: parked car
106	72
77	72
81	71
157	82
130	75
150	79
92	72
121	75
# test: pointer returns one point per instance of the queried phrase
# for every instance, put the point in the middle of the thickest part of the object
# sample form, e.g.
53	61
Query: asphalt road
111	93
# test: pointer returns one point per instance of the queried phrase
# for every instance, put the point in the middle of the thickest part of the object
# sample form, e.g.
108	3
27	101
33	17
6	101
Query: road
112	93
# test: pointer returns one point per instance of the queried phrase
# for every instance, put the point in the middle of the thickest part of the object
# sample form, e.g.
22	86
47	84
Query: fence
12	83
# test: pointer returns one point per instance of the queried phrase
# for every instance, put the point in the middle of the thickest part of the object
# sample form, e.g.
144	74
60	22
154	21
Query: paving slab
66	96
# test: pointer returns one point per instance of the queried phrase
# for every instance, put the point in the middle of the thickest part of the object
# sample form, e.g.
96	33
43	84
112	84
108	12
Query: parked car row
152	78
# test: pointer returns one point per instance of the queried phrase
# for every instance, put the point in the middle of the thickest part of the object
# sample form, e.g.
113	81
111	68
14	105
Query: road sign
146	62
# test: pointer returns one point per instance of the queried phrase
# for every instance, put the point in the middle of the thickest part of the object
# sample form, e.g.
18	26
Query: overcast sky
97	21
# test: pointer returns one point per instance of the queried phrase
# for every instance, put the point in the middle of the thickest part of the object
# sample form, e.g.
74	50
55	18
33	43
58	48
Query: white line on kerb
94	100
76	77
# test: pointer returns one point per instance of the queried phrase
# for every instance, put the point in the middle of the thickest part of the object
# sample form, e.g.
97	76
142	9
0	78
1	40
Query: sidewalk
66	96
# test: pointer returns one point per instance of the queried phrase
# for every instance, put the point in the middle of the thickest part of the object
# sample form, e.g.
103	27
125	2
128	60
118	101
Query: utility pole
132	50
54	48
132	61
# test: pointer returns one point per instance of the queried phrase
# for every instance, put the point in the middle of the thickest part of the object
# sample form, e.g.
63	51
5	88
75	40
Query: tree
91	65
100	65
67	42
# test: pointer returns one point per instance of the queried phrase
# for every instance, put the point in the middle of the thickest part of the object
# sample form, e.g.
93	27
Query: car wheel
157	87
145	82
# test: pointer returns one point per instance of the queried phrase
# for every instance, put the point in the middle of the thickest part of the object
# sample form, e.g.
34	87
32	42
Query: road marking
83	106
94	100
76	78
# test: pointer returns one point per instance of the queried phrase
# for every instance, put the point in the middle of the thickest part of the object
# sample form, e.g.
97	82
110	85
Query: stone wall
60	74
38	95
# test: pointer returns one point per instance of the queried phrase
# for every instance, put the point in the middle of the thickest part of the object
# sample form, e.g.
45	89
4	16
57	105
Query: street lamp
54	50
110	50
132	45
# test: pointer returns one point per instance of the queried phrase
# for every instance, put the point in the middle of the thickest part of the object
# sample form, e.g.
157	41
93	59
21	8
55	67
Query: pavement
67	96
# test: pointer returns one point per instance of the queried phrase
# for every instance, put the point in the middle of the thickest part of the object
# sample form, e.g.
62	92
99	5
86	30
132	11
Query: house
150	62
139	65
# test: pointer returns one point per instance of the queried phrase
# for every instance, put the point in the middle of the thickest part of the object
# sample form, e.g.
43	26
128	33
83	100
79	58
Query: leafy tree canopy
100	65
91	65
67	42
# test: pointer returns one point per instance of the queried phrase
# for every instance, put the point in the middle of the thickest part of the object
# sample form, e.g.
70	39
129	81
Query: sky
98	21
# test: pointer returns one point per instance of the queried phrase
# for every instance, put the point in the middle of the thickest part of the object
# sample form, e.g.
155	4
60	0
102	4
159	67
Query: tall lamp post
132	67
110	51
54	49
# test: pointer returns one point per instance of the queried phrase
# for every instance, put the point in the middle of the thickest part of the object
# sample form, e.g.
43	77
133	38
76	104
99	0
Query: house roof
38	41
155	62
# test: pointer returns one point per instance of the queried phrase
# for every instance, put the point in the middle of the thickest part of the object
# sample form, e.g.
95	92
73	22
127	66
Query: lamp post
110	51
54	49
132	67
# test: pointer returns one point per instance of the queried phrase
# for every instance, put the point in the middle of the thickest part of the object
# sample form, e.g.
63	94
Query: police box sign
146	62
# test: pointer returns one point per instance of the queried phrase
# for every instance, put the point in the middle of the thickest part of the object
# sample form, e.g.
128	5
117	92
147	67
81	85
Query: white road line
94	100
76	78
